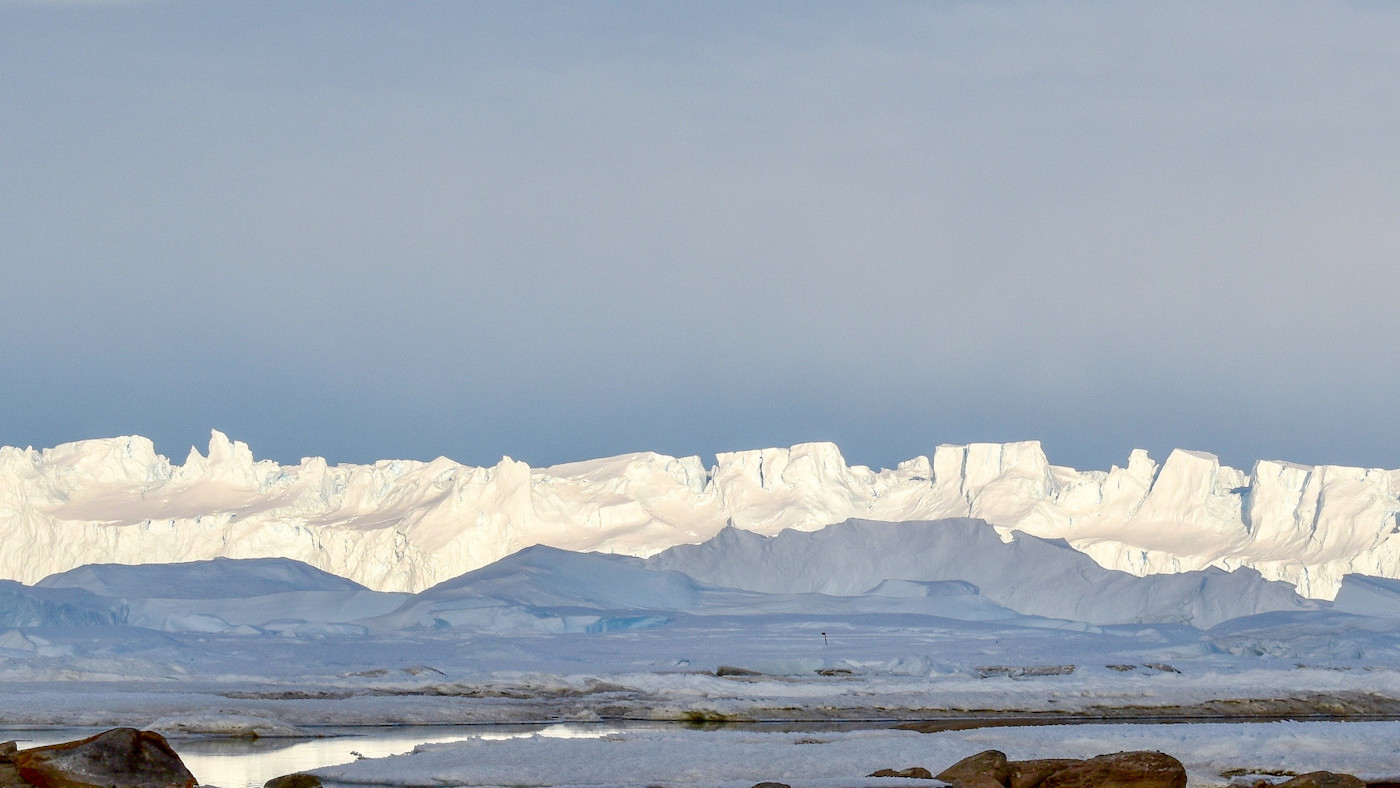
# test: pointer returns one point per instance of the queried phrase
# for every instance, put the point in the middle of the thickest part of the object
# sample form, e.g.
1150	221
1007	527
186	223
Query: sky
559	231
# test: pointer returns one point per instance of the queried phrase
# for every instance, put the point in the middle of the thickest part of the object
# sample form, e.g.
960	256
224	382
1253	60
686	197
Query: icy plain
831	627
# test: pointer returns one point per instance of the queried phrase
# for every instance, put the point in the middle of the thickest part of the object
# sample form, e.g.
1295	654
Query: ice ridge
399	525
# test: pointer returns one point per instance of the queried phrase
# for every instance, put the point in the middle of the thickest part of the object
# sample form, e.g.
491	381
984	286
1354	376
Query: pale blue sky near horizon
558	231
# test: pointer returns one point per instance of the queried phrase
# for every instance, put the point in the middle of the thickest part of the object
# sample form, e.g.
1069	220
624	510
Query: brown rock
913	772
1030	774
981	781
9	776
7	750
990	764
294	781
771	785
119	758
1140	769
1324	780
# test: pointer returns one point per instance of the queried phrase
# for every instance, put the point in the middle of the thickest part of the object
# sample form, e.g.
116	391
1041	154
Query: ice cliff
406	525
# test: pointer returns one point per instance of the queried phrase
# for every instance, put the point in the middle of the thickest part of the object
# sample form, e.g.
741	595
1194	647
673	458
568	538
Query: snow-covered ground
870	604
862	622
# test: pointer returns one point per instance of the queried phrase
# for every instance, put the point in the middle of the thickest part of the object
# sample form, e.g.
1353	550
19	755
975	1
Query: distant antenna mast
825	642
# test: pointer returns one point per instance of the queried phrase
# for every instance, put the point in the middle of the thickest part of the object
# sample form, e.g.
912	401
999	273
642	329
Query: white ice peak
405	525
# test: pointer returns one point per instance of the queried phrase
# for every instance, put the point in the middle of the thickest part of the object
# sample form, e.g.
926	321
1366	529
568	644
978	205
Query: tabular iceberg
407	525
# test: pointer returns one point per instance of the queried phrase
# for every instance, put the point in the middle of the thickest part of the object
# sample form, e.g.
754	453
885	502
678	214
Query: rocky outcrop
118	758
912	773
1030	774
991	769
1323	780
988	767
9	776
1135	769
294	781
1141	769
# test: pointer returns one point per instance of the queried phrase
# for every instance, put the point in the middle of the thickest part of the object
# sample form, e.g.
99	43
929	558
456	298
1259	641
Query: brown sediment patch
1340	706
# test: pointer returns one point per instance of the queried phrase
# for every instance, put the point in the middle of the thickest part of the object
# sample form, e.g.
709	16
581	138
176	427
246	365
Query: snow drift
959	570
248	596
548	589
1024	573
405	526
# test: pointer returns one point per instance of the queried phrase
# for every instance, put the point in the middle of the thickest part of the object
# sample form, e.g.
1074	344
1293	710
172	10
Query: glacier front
400	525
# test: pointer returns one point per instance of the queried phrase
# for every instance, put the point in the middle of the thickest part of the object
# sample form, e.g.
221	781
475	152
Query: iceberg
405	526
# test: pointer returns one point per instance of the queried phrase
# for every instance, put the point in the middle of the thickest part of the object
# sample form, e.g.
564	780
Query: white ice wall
401	525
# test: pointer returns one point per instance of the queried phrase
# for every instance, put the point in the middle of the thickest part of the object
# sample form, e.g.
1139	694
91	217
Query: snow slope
247	596
959	570
405	526
1027	574
220	578
547	589
549	634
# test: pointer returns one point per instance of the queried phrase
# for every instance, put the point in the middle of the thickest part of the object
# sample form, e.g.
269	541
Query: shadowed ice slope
951	570
1368	596
1027	574
550	589
539	589
24	606
222	595
216	578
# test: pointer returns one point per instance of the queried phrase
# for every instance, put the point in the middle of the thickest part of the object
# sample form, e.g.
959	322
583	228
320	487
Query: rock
294	781
119	758
771	785
1012	671
730	670
1323	780
9	776
1139	769
913	772
1030	774
989	764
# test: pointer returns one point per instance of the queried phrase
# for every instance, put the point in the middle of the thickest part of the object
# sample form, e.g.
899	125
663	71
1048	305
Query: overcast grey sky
568	230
